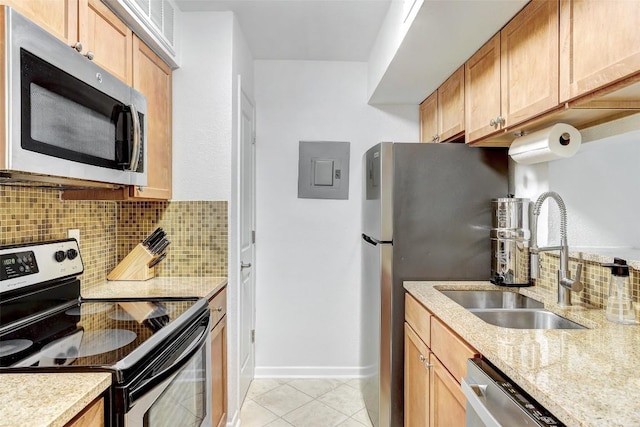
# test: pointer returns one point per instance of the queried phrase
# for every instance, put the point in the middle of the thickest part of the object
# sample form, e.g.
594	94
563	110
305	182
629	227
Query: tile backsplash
197	230
595	278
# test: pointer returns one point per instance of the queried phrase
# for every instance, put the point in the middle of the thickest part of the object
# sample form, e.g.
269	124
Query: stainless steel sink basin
525	319
491	299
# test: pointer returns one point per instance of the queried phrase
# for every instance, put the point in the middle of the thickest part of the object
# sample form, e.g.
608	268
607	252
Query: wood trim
448	402
3	124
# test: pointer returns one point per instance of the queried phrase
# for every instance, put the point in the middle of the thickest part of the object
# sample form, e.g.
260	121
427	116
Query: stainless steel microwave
65	116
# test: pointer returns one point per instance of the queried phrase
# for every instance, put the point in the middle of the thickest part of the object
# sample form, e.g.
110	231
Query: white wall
308	251
599	186
202	108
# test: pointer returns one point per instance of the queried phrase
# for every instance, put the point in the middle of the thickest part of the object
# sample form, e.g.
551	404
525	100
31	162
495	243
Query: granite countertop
157	287
52	399
47	399
585	377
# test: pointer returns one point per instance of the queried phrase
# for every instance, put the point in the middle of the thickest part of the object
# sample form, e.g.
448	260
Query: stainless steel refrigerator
426	216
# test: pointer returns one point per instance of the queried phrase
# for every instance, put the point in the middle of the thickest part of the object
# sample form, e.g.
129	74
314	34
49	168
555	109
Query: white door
247	242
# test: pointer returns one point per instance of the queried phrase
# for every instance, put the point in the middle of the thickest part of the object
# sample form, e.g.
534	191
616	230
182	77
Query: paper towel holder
557	141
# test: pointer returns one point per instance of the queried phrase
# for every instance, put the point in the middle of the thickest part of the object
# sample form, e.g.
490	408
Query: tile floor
304	403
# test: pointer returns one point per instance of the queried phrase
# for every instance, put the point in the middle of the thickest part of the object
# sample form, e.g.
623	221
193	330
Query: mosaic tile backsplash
197	230
595	278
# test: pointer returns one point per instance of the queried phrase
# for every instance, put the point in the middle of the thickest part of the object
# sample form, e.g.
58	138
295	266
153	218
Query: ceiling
321	30
442	36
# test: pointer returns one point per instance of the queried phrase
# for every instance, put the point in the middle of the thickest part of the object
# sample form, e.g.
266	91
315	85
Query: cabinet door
91	416
451	106
482	90
59	17
529	62
152	77
600	44
447	399
219	374
107	37
429	118
416	380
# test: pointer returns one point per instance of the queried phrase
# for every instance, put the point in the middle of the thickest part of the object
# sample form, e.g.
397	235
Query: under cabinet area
435	363
218	309
442	113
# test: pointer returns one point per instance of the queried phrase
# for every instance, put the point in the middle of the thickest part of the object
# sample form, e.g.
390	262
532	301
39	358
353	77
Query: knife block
134	266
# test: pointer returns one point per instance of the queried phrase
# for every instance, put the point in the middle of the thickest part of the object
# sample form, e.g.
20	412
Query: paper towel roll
555	142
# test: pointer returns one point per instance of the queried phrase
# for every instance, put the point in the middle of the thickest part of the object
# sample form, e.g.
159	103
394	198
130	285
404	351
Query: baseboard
234	421
308	372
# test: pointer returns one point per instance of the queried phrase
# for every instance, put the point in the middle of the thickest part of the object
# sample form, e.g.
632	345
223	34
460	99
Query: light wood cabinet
434	365
442	113
447	399
429	118
218	307
91	416
89	22
599	44
152	77
514	76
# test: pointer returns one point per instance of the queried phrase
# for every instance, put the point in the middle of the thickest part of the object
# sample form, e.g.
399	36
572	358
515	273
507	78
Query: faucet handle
574	284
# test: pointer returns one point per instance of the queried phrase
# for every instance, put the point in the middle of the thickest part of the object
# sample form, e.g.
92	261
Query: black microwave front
67	117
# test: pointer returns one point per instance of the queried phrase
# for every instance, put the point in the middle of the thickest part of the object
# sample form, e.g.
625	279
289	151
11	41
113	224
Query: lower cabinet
434	364
217	306
91	416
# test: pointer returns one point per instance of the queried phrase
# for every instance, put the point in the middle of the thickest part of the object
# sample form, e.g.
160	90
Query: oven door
178	391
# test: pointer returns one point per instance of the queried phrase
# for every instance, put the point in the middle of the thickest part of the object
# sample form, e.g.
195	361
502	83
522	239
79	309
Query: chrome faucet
565	283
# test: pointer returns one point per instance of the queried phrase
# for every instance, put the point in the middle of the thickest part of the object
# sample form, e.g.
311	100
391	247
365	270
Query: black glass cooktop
98	333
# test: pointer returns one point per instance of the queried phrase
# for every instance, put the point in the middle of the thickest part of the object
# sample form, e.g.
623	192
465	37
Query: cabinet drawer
452	350
418	317
218	306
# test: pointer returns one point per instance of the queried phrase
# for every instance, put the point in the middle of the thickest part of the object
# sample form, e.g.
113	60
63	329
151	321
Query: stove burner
9	347
93	308
89	343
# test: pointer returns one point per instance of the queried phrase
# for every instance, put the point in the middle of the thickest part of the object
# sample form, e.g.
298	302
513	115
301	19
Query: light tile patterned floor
304	403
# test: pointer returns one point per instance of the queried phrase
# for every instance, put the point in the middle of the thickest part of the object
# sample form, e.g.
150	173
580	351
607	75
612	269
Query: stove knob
72	253
59	256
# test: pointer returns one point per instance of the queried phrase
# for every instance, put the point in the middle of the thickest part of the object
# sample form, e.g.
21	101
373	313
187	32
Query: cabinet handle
245	265
77	46
437	138
218	309
500	120
140	188
422	358
90	56
428	365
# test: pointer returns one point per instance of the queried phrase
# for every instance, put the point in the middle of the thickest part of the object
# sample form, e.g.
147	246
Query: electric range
151	346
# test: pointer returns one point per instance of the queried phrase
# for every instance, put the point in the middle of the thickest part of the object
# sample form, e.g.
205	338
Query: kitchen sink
491	299
525	319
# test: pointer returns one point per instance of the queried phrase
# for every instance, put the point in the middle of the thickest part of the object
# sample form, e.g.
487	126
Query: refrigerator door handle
369	240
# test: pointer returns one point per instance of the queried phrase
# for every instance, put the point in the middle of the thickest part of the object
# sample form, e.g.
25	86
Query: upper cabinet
152	77
108	39
442	113
599	44
514	76
87	25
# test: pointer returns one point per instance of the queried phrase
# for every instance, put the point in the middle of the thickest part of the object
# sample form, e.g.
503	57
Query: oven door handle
474	393
137	139
186	356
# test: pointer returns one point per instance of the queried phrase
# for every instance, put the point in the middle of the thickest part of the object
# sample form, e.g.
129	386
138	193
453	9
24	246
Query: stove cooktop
89	333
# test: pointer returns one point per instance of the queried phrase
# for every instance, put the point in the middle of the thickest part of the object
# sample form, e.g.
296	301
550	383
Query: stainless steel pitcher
510	242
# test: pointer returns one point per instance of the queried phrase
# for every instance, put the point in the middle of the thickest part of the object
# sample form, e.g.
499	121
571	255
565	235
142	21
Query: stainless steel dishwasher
493	400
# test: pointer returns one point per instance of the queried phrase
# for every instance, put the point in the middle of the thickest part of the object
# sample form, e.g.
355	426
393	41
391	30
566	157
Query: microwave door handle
137	139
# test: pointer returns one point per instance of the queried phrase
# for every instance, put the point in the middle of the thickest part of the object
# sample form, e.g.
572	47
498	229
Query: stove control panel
29	264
